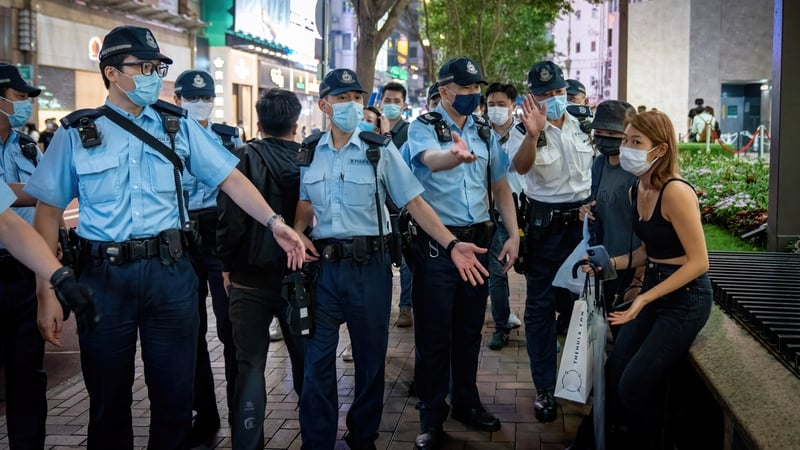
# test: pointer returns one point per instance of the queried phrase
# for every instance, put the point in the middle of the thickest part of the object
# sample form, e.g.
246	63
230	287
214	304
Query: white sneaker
275	333
347	354
514	321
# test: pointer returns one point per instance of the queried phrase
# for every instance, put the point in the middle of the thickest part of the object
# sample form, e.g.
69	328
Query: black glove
75	297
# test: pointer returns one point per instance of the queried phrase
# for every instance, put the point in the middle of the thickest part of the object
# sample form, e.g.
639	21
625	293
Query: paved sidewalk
504	382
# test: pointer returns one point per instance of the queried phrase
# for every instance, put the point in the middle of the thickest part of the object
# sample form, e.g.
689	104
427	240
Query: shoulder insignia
74	117
168	108
521	128
430	117
480	120
579	111
374	138
224	130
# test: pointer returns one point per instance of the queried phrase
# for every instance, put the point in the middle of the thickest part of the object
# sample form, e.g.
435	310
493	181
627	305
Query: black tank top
657	233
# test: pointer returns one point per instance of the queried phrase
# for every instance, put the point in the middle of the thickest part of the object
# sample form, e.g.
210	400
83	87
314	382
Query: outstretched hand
291	243
463	256
461	151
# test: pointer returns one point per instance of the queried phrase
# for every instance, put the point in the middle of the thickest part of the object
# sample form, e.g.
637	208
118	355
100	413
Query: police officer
554	157
459	162
194	92
576	93
27	405
345	187
133	250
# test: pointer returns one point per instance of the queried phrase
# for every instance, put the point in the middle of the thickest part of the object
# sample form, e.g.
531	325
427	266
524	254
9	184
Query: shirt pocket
162	173
547	166
98	179
359	189
25	167
315	186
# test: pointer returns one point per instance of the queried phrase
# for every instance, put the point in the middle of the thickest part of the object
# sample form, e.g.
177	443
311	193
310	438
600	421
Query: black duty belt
168	245
557	214
359	248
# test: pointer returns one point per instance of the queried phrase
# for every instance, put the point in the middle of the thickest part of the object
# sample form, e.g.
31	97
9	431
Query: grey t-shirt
614	208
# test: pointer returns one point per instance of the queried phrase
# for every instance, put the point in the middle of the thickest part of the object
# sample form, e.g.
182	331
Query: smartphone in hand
599	257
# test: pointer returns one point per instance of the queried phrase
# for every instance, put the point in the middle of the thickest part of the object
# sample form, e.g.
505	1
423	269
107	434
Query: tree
371	37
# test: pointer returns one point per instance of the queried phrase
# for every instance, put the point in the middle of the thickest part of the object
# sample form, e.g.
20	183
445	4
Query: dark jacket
247	249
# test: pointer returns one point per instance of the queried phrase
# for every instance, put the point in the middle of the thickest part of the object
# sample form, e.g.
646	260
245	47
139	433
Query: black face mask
608	146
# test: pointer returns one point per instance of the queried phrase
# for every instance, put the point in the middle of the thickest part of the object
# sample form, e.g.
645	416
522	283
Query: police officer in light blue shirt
194	91
134	254
344	186
459	162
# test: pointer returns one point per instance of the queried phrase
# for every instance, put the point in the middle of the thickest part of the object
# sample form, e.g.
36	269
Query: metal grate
762	292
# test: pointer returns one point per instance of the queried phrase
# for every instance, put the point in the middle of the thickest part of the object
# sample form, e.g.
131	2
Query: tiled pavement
504	382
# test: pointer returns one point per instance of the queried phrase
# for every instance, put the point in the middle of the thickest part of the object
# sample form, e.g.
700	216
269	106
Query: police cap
610	115
461	71
10	77
433	91
545	76
130	40
194	83
338	81
575	87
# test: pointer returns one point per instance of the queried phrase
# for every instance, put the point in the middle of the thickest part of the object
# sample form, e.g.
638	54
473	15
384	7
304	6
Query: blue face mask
465	104
391	111
22	112
556	106
146	91
347	115
366	126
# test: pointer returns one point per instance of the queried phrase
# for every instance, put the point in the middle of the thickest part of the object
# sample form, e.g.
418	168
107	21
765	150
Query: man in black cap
123	162
433	96
576	93
194	91
343	186
458	160
20	343
554	158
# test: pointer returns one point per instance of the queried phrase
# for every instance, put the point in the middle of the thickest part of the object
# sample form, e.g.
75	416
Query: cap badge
151	41
471	68
198	81
545	75
347	78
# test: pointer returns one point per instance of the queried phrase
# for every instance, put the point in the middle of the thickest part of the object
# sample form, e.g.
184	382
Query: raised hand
534	117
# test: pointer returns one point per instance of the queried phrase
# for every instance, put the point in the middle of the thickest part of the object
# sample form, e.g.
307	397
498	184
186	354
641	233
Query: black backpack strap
374	142
29	148
226	133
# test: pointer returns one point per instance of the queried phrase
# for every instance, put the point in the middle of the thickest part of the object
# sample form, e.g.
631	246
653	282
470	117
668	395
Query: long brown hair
658	128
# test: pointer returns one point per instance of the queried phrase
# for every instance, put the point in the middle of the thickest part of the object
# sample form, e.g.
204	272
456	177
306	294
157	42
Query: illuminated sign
291	23
95	44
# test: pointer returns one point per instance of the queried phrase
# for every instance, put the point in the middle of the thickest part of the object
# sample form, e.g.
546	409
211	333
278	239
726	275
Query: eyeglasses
148	67
205	98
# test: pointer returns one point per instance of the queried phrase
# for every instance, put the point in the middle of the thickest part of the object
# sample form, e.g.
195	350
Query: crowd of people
175	207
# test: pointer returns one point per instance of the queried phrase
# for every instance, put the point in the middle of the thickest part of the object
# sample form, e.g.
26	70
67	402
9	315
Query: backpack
702	136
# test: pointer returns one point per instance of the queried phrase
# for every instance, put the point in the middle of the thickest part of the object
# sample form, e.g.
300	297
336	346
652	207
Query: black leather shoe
477	418
203	430
545	407
428	439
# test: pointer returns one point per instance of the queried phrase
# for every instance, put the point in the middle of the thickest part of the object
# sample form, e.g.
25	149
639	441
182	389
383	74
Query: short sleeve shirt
341	187
7	197
459	195
202	196
16	168
126	189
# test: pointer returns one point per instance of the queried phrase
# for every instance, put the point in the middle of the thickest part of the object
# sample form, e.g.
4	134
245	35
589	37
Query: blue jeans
498	281
361	296
252	310
547	253
448	317
159	303
648	348
406	284
21	354
208	268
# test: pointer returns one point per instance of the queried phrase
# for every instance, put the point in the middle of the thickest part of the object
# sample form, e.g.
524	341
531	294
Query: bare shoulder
679	197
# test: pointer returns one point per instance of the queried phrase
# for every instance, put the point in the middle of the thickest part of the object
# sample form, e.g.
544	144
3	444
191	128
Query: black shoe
545	407
203	431
477	418
428	439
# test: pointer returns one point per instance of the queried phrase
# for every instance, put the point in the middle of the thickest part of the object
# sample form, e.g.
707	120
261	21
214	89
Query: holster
297	288
70	249
540	218
396	244
172	242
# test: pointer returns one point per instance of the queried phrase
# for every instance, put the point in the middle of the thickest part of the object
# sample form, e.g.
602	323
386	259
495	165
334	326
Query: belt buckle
137	249
114	253
332	252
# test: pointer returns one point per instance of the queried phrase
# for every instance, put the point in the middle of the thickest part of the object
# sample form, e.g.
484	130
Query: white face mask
199	110
635	161
498	115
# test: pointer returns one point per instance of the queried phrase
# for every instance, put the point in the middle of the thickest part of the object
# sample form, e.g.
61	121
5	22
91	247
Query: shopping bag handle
593	266
583	262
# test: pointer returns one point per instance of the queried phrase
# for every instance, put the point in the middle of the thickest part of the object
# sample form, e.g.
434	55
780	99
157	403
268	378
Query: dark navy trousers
359	294
448	317
158	303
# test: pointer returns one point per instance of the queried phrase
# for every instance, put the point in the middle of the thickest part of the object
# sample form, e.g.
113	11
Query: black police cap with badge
338	81
130	40
461	71
194	83
10	77
545	76
575	87
433	91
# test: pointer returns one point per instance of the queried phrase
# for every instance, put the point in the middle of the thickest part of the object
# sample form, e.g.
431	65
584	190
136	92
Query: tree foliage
505	37
371	37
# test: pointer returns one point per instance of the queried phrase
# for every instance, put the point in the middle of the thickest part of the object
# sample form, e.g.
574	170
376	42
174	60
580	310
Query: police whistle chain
75	297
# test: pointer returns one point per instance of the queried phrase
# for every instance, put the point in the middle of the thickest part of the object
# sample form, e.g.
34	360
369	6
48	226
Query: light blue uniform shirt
15	168
459	195
341	187
126	188
202	196
7	197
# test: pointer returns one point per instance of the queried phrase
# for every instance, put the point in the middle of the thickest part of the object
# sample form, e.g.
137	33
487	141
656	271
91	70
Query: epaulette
311	140
169	108
521	128
375	138
224	130
29	148
480	120
75	116
307	148
579	111
430	117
